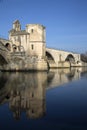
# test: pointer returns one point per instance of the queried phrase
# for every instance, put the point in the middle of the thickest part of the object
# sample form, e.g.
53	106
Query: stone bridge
55	58
58	58
4	54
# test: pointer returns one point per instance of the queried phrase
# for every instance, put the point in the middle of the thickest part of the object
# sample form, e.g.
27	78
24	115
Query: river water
54	100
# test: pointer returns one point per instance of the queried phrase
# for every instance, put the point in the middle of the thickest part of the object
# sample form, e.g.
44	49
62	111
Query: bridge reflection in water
26	92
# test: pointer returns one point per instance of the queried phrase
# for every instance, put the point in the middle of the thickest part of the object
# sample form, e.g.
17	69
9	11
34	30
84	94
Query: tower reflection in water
26	92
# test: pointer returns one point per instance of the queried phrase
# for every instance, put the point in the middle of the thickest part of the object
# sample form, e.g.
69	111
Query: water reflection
62	76
26	92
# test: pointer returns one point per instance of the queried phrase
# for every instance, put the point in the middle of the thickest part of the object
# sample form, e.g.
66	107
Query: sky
65	21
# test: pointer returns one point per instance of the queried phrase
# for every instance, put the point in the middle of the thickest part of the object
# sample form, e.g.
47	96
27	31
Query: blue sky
65	20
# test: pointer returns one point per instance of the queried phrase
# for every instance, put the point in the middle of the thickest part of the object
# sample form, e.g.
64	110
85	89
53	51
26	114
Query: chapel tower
17	25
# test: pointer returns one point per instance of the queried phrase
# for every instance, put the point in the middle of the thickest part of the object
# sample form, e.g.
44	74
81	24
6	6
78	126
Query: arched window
32	30
32	46
14	47
8	46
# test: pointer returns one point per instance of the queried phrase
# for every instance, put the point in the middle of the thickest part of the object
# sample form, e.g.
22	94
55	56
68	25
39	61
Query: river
54	100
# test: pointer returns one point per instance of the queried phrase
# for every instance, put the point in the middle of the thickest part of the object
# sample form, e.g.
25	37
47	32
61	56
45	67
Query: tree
84	57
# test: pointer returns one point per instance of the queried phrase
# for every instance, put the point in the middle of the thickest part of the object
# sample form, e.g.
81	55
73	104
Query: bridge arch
50	59
70	58
49	56
2	60
4	54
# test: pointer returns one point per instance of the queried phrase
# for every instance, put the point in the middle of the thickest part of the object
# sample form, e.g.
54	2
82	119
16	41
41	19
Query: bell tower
17	25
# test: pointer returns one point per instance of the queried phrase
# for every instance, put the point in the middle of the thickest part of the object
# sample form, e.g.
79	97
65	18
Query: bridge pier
65	64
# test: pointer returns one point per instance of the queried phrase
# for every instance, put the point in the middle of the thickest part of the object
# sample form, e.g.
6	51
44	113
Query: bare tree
84	57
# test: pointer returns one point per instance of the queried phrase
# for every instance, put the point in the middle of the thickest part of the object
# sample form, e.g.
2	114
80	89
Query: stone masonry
26	50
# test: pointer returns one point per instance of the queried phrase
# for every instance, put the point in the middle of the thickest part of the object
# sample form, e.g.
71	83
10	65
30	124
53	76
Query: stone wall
63	64
23	63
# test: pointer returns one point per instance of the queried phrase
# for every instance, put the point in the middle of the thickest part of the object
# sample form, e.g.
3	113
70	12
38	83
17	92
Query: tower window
32	30
32	95
32	46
